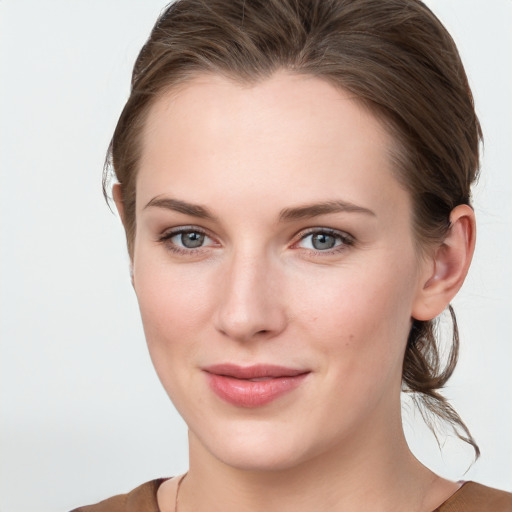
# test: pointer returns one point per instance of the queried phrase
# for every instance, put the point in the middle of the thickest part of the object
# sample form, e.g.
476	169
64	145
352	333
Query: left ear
448	266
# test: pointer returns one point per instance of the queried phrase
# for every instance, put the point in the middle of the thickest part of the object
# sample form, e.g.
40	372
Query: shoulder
141	499
474	497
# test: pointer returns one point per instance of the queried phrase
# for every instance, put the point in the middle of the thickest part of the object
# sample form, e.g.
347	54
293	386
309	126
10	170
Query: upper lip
253	371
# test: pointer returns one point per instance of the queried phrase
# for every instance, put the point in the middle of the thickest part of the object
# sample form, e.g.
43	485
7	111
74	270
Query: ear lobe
451	262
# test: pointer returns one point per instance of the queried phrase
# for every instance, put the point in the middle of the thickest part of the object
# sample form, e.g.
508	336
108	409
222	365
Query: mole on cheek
350	340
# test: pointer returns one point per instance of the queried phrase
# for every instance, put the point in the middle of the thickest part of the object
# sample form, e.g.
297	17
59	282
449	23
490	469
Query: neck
371	471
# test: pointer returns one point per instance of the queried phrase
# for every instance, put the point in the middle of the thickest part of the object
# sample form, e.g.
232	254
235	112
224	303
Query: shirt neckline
453	496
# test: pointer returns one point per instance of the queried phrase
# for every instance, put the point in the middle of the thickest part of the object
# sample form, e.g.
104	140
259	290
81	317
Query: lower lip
247	393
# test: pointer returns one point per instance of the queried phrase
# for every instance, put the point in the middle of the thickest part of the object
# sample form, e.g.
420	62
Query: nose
250	300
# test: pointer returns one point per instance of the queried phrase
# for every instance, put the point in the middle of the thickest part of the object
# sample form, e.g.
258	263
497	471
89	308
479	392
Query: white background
82	413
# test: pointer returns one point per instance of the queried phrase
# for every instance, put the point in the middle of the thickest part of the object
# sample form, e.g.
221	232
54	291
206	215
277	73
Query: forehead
287	136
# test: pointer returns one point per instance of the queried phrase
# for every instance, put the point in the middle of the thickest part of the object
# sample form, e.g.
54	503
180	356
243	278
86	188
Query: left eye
323	241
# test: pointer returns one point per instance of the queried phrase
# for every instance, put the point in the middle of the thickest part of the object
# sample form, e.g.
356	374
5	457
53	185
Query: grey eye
322	241
191	239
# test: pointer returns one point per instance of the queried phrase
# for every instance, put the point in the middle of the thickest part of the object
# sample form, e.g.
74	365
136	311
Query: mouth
253	386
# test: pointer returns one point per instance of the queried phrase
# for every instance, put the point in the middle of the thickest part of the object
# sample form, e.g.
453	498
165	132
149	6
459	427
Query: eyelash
166	237
345	239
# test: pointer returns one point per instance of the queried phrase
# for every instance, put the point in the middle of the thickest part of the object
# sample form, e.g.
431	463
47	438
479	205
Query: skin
259	291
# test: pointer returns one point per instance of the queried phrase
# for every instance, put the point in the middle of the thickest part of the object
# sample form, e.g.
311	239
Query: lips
252	386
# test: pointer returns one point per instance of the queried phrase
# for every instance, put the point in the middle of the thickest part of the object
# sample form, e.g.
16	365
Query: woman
294	181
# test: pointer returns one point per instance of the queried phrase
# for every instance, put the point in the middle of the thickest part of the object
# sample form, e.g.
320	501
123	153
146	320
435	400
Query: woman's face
275	268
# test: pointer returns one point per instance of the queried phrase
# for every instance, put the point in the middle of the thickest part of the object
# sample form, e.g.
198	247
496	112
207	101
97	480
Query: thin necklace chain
178	491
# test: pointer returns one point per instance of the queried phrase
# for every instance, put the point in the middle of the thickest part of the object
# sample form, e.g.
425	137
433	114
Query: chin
259	449
258	459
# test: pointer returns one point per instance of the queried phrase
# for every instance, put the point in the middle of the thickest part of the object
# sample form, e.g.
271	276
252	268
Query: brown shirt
471	497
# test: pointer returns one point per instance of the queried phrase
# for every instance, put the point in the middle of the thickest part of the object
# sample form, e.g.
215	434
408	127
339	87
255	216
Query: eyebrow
286	215
176	205
324	208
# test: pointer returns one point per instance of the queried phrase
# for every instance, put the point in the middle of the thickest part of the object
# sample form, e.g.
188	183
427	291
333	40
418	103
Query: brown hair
394	55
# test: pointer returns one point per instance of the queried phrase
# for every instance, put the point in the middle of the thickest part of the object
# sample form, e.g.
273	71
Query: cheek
173	310
174	307
360	317
167	294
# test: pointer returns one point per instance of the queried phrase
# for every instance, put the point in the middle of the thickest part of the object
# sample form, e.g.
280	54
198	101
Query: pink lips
252	386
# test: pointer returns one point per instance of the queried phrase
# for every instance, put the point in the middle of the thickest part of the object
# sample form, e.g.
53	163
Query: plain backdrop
82	414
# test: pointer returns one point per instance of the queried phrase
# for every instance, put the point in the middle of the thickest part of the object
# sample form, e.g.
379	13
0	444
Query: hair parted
395	56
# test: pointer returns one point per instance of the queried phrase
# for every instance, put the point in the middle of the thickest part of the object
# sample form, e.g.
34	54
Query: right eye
186	240
189	239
